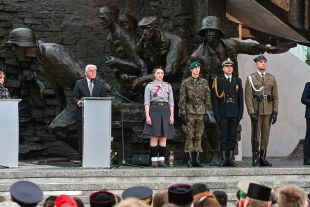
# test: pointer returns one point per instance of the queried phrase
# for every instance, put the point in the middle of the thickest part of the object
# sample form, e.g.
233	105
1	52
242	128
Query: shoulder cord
253	87
216	90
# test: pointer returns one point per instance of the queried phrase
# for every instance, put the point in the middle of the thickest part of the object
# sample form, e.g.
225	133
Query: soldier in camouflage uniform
193	105
4	93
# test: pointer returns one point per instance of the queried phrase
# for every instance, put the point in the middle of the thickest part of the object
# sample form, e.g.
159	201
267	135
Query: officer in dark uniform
227	103
26	194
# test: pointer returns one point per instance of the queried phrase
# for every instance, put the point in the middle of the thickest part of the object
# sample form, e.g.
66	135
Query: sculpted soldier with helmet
57	63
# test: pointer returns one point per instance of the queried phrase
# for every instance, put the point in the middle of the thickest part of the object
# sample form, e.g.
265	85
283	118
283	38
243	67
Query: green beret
194	65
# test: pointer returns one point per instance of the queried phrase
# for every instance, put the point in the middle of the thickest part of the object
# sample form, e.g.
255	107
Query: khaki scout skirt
160	122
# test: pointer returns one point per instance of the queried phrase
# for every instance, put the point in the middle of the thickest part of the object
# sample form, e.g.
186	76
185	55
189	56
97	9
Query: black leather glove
274	117
184	118
253	117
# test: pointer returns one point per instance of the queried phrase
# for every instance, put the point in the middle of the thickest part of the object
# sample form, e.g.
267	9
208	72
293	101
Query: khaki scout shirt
156	93
270	88
194	96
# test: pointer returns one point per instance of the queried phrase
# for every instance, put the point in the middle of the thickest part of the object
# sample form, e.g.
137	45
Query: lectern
9	132
97	119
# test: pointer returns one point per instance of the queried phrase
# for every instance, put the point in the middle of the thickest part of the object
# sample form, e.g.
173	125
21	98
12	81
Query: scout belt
159	103
263	97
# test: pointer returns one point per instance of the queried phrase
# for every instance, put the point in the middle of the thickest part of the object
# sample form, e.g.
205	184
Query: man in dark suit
227	104
305	99
86	87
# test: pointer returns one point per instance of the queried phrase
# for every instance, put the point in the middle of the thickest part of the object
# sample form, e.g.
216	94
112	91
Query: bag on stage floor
140	159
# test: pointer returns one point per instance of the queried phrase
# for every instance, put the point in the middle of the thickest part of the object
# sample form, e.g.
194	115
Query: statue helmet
210	22
111	10
23	37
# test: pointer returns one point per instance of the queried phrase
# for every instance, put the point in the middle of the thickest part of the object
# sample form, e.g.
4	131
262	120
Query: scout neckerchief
155	94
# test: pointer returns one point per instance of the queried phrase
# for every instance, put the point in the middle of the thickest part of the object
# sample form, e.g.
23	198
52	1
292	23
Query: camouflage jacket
194	96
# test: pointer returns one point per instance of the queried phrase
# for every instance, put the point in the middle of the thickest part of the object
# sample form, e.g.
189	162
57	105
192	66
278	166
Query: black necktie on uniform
262	75
229	80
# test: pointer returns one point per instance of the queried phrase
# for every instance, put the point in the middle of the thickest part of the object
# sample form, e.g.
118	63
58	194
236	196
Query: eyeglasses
92	71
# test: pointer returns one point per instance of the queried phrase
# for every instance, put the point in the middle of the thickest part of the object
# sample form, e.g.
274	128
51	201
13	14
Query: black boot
262	159
190	160
214	158
230	160
196	162
254	159
222	162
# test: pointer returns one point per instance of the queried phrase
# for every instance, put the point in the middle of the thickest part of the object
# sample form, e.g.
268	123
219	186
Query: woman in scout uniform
159	112
227	104
4	93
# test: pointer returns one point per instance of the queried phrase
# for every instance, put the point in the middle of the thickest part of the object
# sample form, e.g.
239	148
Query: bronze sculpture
125	57
57	63
158	47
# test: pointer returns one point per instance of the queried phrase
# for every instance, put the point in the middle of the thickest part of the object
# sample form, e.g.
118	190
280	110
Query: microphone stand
124	163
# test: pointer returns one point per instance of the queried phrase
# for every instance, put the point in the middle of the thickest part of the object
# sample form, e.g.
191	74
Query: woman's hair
79	202
160	198
1	73
205	199
157	68
131	202
291	196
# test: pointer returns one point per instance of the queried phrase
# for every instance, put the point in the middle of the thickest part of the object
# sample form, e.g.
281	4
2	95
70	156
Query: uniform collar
193	79
227	76
259	73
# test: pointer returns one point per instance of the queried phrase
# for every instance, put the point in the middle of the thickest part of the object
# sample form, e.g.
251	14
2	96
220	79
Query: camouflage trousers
193	131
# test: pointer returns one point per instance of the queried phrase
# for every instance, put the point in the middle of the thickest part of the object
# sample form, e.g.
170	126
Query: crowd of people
249	194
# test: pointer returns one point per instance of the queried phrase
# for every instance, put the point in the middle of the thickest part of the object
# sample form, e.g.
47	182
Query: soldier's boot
262	159
190	160
230	160
196	162
254	159
223	159
214	158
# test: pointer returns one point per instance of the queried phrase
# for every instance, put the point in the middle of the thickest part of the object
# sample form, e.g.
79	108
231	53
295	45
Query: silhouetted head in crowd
199	188
221	197
79	202
205	199
65	201
291	196
160	198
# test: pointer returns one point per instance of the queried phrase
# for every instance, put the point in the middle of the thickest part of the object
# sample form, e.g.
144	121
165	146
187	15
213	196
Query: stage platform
69	178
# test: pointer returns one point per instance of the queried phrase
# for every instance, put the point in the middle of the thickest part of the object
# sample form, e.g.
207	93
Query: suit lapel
86	88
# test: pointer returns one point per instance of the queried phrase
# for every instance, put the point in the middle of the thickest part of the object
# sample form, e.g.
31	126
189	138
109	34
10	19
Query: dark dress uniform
305	99
228	111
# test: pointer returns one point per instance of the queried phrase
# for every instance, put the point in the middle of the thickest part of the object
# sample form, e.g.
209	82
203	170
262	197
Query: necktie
262	75
229	80
90	88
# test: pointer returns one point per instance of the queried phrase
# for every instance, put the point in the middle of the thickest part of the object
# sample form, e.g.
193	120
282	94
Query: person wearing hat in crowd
142	193
102	198
199	188
243	186
193	108
227	105
211	53
261	89
4	92
257	196
291	196
159	112
26	193
221	197
65	201
205	199
160	47
180	194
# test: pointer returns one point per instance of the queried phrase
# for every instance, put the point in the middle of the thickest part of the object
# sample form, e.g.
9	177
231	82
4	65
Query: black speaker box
141	159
